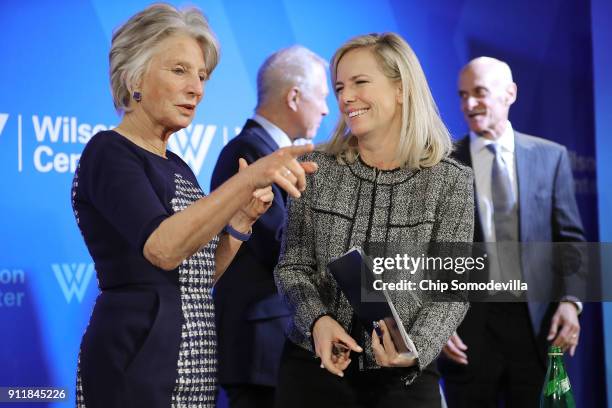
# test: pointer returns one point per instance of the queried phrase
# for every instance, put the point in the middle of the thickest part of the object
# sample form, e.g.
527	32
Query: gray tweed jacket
351	205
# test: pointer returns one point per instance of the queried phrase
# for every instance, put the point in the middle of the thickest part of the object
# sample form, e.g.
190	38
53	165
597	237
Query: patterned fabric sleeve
437	321
296	273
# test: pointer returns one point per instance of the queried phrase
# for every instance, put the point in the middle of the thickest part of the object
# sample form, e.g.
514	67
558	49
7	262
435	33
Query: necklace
142	142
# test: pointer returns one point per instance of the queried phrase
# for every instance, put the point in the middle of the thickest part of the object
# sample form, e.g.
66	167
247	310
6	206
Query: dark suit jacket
547	213
250	316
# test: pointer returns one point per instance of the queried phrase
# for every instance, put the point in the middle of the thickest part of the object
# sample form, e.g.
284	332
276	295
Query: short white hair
293	66
134	44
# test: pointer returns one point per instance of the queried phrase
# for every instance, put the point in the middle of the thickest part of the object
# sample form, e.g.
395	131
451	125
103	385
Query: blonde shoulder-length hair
424	139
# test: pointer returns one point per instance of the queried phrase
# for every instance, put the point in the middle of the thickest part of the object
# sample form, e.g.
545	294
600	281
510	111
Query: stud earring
137	96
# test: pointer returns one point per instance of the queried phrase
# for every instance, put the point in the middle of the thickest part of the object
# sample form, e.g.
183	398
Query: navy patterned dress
151	339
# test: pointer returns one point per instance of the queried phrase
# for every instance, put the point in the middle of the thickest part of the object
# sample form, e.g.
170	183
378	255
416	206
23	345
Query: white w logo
73	279
192	144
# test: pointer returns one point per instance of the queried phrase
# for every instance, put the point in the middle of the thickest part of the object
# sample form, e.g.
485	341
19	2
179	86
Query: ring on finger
287	173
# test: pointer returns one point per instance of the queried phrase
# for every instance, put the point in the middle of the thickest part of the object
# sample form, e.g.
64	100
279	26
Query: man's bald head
487	91
497	69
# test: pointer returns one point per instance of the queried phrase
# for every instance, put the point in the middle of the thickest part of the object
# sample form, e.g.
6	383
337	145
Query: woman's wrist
240	236
239	227
241	222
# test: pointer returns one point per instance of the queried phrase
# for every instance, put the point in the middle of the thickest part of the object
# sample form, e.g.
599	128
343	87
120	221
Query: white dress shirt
482	163
277	134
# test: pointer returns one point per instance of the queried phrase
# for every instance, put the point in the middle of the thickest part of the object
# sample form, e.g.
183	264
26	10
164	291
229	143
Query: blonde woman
384	177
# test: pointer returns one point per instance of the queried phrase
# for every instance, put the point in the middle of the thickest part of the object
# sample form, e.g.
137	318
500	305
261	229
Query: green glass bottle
557	392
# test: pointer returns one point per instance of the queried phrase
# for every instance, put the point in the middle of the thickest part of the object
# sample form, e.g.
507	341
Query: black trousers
249	395
511	371
303	383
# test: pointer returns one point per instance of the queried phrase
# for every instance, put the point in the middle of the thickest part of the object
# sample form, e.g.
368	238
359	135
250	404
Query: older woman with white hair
157	241
385	177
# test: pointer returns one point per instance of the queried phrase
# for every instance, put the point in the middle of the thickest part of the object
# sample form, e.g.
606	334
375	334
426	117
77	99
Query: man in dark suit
250	316
524	193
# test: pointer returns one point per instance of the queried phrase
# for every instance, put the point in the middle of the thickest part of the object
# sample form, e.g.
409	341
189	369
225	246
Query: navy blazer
250	316
547	213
